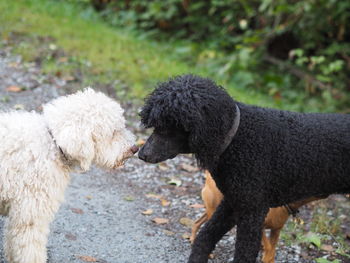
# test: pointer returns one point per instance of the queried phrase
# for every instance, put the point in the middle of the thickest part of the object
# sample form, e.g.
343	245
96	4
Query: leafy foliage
324	260
296	51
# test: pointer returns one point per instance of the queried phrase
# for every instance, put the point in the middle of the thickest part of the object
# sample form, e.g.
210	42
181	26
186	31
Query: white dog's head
90	128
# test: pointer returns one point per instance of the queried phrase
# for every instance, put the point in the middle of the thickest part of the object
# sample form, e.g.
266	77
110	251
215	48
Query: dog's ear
204	139
69	120
77	145
83	123
208	131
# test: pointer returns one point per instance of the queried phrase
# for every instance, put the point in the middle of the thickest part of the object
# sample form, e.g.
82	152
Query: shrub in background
296	51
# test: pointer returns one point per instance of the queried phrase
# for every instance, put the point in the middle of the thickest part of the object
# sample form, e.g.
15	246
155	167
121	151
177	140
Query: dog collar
59	148
291	211
232	132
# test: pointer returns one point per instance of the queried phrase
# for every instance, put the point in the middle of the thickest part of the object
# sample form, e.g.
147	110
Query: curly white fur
89	127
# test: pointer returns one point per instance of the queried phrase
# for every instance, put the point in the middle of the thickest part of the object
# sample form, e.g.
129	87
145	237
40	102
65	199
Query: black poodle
258	157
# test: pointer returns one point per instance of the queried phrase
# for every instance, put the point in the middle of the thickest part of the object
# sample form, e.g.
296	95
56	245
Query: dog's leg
266	247
221	222
269	255
26	231
248	242
197	225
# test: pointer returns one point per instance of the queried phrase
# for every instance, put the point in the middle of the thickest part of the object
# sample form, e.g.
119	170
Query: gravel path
101	218
96	220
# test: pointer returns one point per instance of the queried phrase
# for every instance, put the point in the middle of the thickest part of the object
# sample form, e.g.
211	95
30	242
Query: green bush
297	51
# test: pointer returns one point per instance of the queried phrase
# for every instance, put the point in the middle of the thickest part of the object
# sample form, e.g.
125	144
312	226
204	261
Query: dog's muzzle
134	149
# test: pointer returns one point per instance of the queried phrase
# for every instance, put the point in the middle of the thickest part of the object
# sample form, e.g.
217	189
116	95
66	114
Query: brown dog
275	219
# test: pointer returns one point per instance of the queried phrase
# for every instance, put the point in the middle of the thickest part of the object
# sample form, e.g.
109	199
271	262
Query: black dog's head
189	114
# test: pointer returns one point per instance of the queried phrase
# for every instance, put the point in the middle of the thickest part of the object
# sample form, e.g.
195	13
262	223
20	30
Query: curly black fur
196	105
276	157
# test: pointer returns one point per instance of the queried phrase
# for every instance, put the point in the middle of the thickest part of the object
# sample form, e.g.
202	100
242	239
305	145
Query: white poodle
37	153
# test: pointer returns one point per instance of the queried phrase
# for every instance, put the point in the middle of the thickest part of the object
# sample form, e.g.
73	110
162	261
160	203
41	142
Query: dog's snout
142	155
134	149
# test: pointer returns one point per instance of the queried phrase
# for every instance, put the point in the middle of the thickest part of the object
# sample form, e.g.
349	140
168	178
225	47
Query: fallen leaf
63	59
89	197
140	142
298	220
129	198
13	88
52	47
70	236
68	78
186	235
147	212
189	168
87	258
327	248
153	196
197	206
164	202
160	221
186	221
174	181
163	166
13	64
18	107
305	255
77	211
96	71
168	233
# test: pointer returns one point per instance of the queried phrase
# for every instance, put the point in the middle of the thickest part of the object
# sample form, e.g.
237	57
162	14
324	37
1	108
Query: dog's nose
141	155
134	149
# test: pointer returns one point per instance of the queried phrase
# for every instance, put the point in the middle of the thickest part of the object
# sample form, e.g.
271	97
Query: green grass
323	227
107	53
